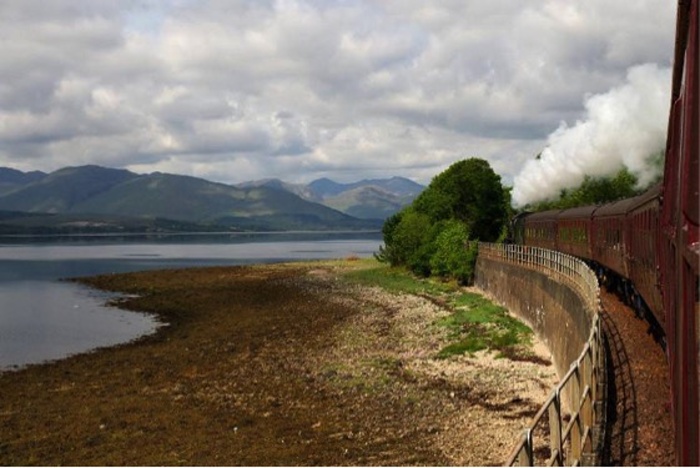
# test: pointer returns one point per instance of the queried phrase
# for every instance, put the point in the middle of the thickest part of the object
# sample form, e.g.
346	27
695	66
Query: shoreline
359	232
269	364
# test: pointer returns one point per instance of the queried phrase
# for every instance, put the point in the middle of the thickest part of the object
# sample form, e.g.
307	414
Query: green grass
397	280
475	323
478	324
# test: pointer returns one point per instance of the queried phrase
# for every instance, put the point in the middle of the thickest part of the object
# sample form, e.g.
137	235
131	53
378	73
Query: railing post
587	403
526	455
555	443
576	430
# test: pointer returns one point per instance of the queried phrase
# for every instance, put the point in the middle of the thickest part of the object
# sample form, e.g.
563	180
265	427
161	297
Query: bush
408	239
390	252
429	237
454	256
469	191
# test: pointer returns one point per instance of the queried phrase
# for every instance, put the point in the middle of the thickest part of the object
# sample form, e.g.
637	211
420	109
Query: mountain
396	185
99	199
304	191
325	187
62	190
190	199
120	193
366	199
368	202
12	179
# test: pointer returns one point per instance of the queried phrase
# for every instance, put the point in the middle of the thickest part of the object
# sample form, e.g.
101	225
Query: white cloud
302	88
623	127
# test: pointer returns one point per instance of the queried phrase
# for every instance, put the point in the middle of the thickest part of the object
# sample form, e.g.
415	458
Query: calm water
42	318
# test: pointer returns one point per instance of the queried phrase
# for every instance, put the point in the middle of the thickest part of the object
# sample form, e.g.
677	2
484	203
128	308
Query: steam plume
624	127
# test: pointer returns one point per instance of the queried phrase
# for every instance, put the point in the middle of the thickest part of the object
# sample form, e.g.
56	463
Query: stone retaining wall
557	314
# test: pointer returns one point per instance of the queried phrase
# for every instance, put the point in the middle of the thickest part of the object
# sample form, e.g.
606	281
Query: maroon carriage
540	229
653	240
609	237
679	246
574	231
642	221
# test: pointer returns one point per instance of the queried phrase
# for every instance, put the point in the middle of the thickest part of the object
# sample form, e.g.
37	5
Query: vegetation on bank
475	323
601	190
436	234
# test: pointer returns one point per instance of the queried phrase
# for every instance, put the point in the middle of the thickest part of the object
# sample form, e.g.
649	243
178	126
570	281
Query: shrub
409	239
470	191
431	235
454	257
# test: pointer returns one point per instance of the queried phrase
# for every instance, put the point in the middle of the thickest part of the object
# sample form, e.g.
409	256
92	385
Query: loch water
44	318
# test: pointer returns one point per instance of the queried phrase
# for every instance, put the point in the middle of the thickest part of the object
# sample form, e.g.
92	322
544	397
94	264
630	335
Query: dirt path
273	365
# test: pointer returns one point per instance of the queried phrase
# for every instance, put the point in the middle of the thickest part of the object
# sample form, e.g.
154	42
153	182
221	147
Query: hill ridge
96	190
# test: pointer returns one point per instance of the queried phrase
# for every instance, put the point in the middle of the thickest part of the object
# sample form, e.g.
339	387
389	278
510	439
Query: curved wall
557	314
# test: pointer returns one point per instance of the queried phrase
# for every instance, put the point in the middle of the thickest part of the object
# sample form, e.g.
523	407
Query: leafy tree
408	241
469	191
595	191
454	256
510	212
430	236
390	252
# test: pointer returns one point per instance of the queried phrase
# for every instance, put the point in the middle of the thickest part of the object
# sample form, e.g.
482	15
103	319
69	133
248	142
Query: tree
595	191
471	192
454	256
391	252
467	201
408	241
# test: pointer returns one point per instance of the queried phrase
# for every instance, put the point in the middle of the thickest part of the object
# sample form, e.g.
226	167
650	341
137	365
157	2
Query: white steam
625	126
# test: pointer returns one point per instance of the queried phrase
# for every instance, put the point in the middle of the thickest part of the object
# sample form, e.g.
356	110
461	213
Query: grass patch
475	323
397	280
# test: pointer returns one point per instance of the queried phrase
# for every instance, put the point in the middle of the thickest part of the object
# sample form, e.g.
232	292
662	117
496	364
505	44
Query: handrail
556	437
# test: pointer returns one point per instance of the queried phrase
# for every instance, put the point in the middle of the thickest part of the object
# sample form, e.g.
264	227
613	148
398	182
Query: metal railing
566	429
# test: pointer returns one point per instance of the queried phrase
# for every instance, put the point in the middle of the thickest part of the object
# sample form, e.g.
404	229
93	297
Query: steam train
648	245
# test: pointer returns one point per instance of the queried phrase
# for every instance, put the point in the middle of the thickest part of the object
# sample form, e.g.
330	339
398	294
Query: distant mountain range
366	199
100	199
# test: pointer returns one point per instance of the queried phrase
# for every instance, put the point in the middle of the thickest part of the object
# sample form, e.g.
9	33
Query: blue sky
235	90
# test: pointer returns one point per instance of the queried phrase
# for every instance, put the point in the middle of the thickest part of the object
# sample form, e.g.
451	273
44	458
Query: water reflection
42	318
48	320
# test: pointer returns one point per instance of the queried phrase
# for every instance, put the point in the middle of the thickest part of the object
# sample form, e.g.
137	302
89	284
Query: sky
237	90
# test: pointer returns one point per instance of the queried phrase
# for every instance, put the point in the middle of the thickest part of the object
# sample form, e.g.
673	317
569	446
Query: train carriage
574	231
610	238
653	241
540	229
679	245
641	226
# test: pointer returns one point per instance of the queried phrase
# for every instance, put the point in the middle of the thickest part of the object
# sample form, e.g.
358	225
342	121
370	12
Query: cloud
624	127
303	88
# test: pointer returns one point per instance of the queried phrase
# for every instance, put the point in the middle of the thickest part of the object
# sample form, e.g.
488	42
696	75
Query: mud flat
270	365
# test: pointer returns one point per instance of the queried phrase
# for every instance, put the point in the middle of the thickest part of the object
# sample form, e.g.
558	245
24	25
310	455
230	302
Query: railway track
640	424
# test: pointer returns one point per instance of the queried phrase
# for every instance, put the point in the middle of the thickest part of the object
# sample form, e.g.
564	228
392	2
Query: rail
566	429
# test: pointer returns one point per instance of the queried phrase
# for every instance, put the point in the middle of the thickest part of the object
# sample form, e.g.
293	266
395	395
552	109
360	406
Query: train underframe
630	296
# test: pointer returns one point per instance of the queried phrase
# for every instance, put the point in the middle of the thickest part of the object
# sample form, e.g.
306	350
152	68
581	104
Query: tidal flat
283	364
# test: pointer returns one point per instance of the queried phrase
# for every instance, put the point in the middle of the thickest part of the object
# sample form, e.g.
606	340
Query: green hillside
12	179
368	202
60	191
200	201
107	192
366	199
